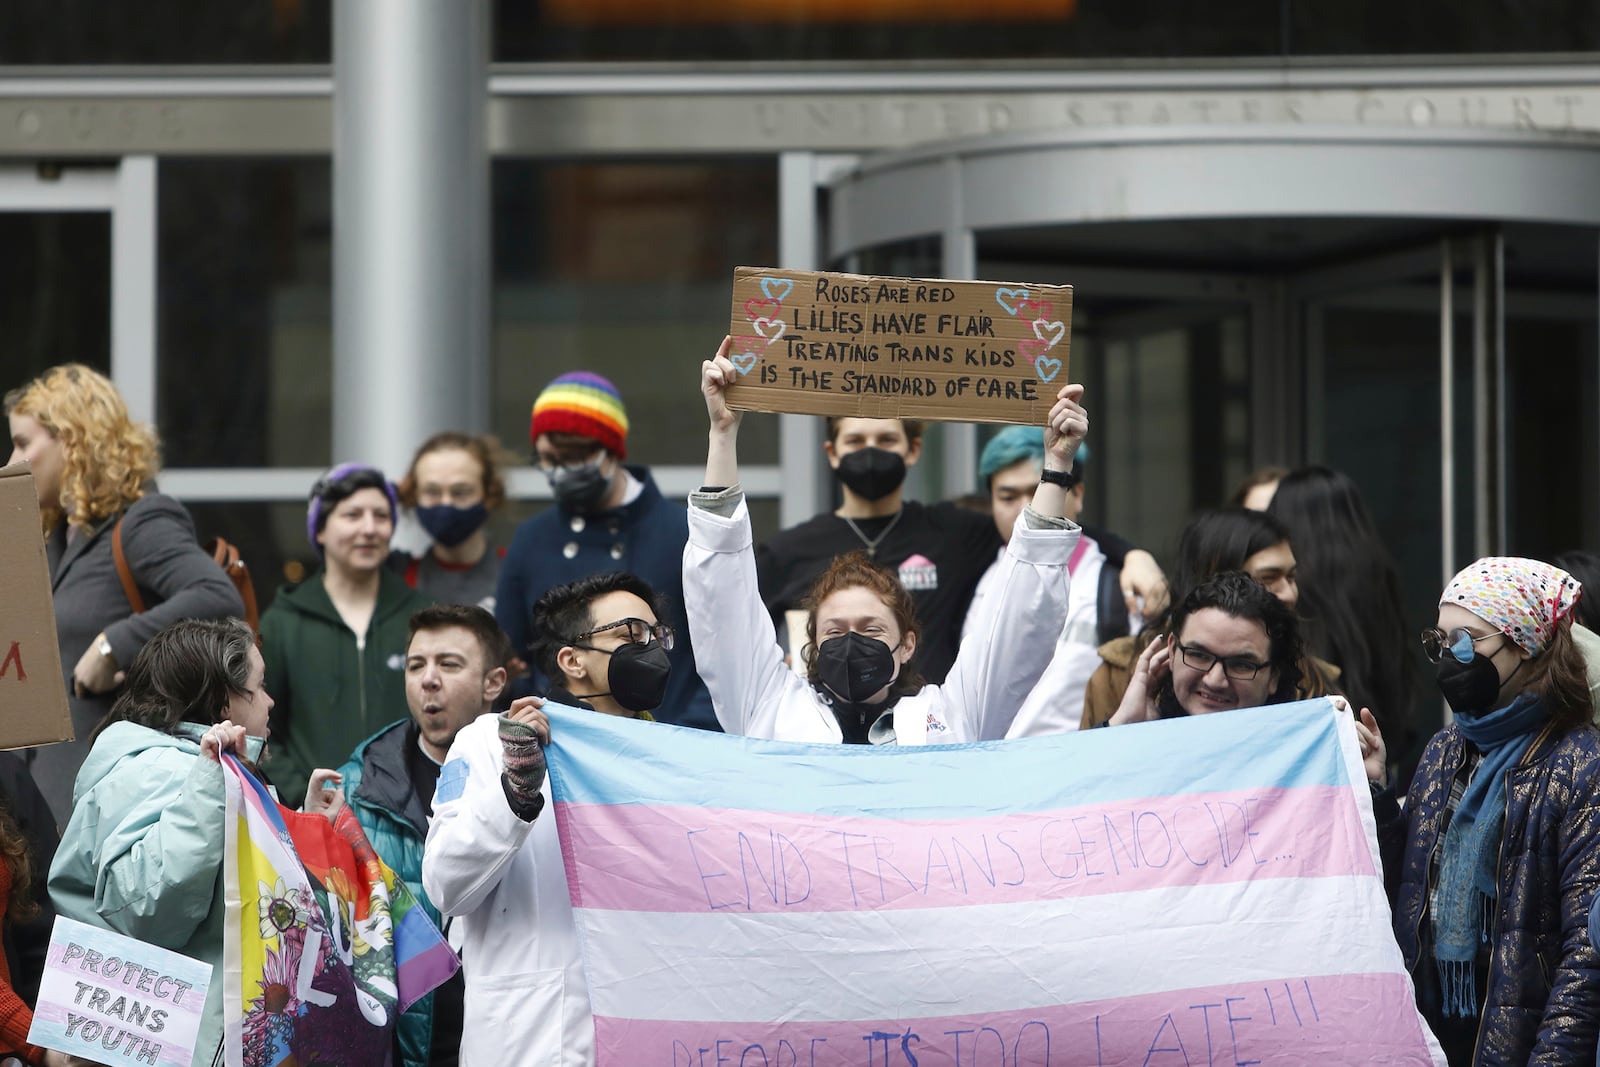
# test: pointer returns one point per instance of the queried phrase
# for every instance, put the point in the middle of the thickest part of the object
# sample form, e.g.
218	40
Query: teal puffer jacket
142	853
378	791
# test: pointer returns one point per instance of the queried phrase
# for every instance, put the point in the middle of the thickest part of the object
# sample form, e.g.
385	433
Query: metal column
799	442
411	259
959	248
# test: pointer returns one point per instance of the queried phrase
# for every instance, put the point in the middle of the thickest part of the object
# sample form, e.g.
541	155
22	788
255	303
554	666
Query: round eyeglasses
1458	642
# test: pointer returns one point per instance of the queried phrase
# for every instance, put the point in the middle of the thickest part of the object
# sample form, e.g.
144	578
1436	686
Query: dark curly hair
1237	594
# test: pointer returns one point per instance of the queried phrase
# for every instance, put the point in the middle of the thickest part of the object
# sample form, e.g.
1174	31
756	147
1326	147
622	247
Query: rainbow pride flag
324	945
1193	891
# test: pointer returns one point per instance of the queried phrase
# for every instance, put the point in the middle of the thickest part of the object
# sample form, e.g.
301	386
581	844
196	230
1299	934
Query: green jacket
142	853
378	791
330	688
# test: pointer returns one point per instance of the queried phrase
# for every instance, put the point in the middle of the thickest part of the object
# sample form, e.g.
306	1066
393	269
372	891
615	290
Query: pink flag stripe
698	860
1361	1018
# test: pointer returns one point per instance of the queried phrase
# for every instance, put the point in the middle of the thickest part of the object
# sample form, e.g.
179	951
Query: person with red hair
861	628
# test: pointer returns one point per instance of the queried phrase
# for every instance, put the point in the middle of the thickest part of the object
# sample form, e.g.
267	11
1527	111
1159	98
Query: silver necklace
872	543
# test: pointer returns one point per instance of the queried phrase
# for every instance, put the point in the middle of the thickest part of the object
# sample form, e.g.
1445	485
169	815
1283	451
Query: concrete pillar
410	225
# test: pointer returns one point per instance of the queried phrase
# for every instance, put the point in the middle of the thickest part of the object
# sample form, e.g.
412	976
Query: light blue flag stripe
1282	746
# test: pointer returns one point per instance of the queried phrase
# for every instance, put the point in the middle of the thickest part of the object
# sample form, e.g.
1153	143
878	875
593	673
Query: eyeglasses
639	632
568	460
1458	642
1202	660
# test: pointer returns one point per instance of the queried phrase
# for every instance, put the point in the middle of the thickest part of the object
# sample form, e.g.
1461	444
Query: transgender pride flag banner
1192	892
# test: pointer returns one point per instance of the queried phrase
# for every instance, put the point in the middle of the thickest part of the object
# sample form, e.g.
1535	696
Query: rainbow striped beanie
586	404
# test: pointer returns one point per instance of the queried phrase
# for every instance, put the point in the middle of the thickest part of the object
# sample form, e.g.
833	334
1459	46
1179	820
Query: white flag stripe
904	964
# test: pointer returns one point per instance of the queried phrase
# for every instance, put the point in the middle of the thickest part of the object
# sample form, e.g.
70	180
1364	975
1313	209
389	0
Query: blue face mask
450	525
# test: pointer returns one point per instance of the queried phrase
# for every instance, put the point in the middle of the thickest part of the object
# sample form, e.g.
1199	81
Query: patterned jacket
1543	1001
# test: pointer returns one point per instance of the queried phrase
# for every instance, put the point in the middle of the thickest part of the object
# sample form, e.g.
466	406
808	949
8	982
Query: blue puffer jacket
1540	1007
380	794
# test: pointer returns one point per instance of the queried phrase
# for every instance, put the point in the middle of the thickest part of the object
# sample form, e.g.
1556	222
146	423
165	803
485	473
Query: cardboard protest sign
33	691
109	998
818	343
1198	890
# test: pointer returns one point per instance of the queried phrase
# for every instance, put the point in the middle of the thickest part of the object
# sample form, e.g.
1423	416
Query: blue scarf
1468	867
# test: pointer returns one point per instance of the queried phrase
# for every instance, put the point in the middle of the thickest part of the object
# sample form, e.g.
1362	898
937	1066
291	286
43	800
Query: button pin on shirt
577	524
570	550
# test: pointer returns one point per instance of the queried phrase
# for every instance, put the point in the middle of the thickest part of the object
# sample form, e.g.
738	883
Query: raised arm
1002	660
722	448
736	651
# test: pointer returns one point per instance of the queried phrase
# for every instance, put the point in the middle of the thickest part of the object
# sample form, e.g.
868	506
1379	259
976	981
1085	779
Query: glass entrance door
77	280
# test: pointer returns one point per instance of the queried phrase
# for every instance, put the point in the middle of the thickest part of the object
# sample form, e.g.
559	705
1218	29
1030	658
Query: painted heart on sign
783	287
1035	309
744	362
1002	293
1048	368
1031	349
1049	332
762	325
756	309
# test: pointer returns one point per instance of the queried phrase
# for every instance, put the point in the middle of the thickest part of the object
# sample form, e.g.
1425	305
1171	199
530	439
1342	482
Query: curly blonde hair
107	457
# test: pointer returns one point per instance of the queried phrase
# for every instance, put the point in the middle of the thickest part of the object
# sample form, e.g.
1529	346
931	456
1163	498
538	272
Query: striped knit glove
524	768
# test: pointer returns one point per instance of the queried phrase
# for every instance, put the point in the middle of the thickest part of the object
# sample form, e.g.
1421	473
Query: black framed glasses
1458	642
639	632
569	460
1200	659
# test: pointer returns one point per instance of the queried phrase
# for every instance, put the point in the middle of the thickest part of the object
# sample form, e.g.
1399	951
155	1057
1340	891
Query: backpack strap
228	558
1111	609
130	588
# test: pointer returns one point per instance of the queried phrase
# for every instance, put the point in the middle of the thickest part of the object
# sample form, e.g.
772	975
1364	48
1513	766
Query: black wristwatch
1065	479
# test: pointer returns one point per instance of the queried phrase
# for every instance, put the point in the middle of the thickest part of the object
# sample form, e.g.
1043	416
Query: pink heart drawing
755	309
1049	332
768	324
1035	309
1031	349
744	362
1047	368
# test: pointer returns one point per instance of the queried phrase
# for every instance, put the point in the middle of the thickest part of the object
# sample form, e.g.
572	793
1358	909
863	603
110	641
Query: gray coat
178	581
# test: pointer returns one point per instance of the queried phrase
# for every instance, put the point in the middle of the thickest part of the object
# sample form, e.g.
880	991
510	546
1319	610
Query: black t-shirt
939	551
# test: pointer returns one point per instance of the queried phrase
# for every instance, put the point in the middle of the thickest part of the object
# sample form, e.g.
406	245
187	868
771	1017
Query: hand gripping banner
1195	891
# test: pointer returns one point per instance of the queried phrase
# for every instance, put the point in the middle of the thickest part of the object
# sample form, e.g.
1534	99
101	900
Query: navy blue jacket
1541	1006
645	538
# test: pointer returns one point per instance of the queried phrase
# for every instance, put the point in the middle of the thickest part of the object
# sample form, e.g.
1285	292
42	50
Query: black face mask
854	666
638	675
872	473
579	488
1470	688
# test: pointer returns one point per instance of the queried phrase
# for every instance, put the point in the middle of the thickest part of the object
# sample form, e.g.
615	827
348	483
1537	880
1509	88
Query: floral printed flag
324	945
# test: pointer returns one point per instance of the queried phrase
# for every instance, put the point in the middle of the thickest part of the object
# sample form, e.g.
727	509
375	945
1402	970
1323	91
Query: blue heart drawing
783	287
1048	368
744	362
1015	294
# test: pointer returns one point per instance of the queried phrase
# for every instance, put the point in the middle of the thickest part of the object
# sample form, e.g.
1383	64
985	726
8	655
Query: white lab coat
1056	703
527	1003
757	695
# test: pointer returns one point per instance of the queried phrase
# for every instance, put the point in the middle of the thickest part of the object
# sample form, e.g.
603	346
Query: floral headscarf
1522	598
